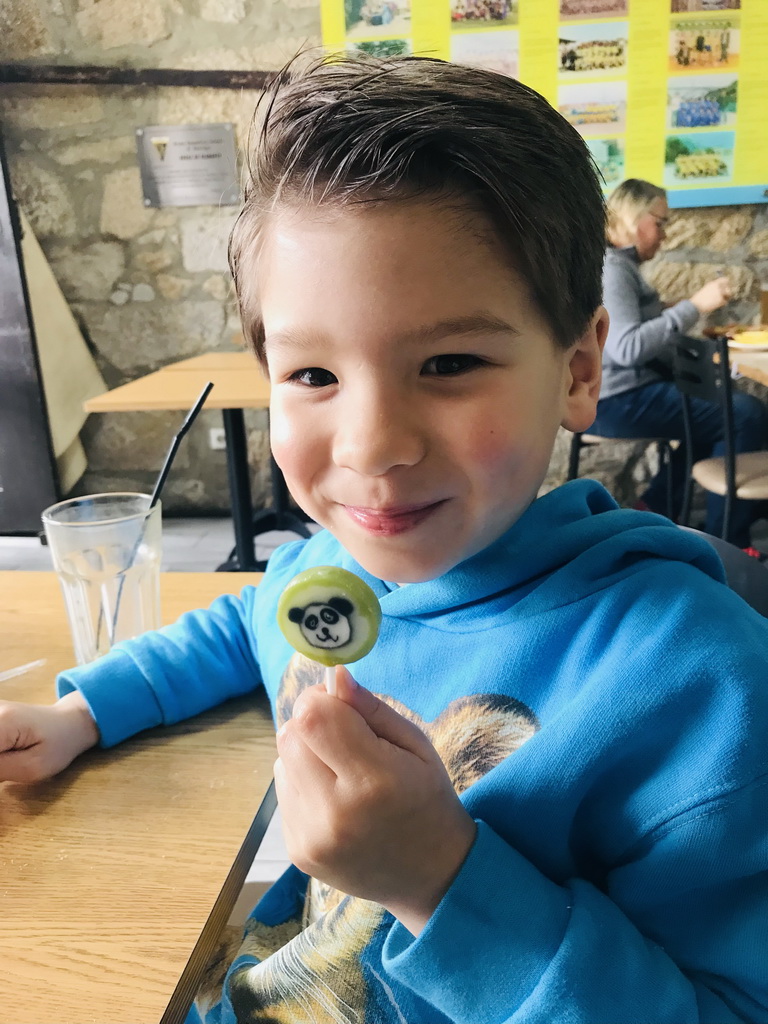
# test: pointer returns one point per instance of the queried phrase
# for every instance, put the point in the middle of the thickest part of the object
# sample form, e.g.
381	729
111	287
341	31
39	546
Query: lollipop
331	616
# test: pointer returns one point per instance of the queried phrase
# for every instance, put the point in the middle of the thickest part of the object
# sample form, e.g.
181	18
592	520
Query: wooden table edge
146	394
182	983
187	985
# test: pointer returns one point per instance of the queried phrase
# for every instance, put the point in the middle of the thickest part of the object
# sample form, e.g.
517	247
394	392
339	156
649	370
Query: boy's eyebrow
473	323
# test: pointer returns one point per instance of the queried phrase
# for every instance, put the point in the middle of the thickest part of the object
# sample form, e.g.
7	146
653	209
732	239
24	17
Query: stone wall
151	286
147	286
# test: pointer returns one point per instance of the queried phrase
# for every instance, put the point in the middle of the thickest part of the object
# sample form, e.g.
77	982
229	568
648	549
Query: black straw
191	417
162	477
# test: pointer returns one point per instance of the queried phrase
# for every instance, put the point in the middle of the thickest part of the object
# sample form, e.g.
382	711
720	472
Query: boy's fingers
284	787
21	766
388	724
336	734
299	761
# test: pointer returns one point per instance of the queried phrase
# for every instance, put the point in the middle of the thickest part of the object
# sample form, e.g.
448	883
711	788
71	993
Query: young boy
418	263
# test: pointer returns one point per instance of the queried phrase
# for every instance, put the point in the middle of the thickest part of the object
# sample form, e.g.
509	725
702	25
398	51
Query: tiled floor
189	545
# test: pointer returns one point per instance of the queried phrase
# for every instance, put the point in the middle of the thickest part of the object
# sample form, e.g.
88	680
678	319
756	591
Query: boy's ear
585	374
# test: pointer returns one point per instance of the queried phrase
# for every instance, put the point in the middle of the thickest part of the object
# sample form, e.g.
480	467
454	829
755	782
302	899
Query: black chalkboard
28	481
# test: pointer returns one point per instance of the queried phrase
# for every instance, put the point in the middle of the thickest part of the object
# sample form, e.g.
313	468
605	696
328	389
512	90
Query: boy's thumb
380	718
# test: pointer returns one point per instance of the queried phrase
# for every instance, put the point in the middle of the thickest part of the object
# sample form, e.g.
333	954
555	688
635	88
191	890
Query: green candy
329	615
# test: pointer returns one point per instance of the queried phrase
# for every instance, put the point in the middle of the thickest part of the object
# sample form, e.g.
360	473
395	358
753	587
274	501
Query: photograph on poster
597	62
483	14
382	48
593	49
705	158
702	101
700	44
595	108
377	18
694	6
494	51
609	157
593	9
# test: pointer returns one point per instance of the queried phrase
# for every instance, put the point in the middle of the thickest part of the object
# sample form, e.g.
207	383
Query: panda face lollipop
329	615
325	625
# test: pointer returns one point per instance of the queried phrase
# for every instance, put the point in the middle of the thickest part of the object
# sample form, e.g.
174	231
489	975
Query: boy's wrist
414	913
80	723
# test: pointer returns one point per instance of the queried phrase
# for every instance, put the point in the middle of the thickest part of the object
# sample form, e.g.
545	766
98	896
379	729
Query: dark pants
656	410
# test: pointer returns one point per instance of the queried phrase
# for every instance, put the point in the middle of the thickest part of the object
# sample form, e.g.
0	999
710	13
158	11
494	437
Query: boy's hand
37	741
366	802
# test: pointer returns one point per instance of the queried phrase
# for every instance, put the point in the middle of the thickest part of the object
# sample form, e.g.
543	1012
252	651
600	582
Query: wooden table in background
110	871
238	384
750	364
219	361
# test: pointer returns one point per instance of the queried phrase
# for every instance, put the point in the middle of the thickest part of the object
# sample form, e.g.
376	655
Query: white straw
330	679
12	672
109	618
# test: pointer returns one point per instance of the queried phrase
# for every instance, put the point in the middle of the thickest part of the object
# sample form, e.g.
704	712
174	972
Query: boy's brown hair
356	130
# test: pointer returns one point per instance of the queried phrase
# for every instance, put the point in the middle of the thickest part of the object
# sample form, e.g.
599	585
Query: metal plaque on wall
188	165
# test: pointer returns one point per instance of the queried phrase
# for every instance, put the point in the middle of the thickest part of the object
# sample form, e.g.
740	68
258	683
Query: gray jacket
641	328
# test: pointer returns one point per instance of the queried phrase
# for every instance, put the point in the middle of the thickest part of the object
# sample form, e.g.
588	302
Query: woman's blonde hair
626	205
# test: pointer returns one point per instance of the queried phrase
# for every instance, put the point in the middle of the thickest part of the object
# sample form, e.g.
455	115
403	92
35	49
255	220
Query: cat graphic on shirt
310	969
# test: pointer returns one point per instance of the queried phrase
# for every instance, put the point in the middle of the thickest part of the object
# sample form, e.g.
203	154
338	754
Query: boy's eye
452	364
314	377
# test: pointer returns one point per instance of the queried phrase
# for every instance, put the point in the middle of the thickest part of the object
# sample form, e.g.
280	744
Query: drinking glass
106	551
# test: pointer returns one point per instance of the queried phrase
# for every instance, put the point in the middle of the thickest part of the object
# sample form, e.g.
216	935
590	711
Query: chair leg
726	532
685	511
665	463
573	458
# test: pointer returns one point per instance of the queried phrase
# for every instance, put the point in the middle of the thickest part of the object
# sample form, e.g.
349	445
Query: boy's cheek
498	447
289	457
301	467
281	431
290	450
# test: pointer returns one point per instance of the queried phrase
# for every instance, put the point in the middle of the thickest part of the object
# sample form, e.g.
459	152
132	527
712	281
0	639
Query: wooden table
109	872
238	384
177	388
219	361
750	364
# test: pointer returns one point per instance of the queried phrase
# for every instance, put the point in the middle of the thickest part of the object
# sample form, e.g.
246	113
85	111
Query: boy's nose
375	435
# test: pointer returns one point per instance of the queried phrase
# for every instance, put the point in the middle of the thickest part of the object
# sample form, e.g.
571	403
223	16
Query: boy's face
416	389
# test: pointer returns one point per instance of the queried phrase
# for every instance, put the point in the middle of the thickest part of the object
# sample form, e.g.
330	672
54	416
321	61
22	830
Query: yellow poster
674	91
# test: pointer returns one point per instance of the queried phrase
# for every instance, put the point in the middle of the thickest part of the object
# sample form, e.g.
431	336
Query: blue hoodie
599	697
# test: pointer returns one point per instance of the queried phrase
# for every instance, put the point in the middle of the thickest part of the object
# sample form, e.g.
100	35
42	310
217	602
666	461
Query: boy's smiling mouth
386	522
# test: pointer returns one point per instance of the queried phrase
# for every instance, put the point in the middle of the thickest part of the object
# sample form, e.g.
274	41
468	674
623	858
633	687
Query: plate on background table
757	341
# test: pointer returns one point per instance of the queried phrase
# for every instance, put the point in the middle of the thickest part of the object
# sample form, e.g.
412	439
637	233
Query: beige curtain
70	376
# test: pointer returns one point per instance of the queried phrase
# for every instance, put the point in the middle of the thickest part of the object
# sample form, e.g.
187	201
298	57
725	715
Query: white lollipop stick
330	679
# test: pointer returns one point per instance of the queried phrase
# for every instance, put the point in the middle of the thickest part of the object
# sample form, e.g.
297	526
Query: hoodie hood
569	543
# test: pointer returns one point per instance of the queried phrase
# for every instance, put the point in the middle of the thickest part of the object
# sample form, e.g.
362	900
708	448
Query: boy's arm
38	741
667	921
520	949
170	674
672	933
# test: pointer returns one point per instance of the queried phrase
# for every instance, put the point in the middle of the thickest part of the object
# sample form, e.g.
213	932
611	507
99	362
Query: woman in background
638	398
